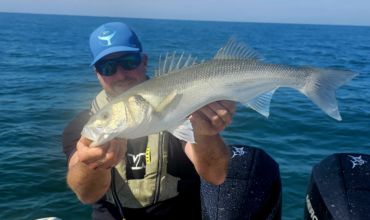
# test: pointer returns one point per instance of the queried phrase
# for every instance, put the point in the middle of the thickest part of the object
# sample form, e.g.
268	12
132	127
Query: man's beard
122	86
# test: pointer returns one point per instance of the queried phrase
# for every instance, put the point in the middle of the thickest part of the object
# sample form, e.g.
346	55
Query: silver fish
182	86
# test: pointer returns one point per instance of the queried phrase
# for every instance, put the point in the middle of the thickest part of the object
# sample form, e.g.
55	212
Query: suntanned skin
89	168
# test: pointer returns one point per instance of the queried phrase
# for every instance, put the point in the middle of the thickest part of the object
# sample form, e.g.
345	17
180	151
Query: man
155	177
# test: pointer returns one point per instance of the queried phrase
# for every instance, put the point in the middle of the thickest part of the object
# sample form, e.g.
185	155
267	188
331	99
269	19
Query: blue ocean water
45	79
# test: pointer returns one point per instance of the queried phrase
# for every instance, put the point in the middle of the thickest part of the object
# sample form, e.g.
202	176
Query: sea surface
45	79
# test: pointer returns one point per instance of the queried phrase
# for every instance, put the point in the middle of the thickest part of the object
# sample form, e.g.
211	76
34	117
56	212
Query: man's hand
210	155
212	118
105	156
89	173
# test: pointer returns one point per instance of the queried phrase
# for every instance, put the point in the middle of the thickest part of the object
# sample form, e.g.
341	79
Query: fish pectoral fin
261	104
172	98
184	131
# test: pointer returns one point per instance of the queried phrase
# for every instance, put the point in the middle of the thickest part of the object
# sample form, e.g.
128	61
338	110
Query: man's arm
210	155
89	168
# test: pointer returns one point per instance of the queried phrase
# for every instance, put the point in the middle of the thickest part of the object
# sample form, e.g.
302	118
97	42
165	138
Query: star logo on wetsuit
357	161
238	151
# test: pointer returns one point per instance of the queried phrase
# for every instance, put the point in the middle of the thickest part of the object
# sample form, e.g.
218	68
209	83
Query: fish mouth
98	135
102	139
91	133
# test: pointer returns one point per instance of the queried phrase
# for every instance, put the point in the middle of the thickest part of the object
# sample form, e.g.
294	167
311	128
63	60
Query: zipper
159	170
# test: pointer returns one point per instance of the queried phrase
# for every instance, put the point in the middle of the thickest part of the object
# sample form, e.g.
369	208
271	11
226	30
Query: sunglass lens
127	62
107	68
130	62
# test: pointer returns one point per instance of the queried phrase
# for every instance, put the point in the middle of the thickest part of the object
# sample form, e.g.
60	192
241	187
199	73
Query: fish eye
105	115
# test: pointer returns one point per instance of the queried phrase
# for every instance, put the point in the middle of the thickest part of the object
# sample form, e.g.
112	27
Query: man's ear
145	60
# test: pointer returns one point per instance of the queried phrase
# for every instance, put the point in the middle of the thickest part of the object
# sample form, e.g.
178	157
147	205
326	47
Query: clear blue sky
348	12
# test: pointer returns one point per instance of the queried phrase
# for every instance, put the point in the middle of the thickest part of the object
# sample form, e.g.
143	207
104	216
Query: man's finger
214	114
219	114
85	141
201	124
229	105
87	154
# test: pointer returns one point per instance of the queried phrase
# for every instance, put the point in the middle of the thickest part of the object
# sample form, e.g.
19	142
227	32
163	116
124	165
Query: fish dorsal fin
261	104
173	62
236	50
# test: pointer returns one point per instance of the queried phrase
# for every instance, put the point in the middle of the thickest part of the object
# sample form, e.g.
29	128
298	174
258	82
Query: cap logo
106	37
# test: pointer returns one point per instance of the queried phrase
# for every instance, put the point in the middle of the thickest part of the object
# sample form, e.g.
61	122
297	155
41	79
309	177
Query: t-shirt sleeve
72	132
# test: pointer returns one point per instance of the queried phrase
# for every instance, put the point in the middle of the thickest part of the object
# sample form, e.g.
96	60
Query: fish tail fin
321	86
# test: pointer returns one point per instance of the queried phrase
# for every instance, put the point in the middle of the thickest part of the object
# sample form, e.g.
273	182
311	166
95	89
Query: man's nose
121	73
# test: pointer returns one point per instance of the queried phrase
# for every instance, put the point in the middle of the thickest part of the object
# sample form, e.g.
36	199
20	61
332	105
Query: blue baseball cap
111	38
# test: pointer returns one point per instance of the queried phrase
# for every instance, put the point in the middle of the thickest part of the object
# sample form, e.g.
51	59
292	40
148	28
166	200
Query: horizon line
185	19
